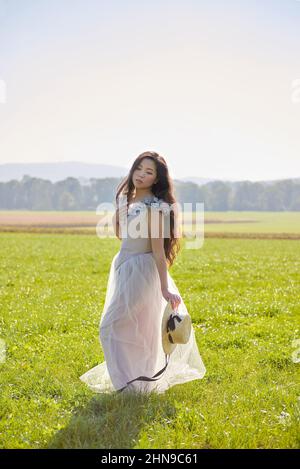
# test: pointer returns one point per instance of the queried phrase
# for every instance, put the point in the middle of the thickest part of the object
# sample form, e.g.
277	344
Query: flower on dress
136	207
161	205
152	202
150	199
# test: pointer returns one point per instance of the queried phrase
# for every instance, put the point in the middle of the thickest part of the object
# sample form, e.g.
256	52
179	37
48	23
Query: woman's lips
138	180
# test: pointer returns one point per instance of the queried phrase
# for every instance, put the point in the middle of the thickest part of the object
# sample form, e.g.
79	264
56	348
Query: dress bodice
135	239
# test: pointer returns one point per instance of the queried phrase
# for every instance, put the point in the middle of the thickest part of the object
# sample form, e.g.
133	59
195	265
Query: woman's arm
157	244
116	224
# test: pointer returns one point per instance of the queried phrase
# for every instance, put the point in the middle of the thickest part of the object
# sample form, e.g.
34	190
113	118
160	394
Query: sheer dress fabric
130	324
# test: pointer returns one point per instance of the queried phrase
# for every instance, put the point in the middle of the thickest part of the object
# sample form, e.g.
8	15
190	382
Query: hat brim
167	345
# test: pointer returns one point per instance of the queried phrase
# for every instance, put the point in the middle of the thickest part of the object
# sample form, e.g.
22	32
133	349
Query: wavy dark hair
163	189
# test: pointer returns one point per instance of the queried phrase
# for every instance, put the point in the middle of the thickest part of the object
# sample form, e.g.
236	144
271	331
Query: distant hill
60	170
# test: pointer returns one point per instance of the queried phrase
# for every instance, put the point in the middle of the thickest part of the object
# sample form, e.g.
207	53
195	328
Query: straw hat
175	328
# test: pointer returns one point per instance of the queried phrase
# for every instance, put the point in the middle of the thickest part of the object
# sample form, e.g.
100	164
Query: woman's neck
140	195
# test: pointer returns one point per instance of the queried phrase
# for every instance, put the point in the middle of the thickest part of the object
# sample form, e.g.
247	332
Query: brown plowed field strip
72	230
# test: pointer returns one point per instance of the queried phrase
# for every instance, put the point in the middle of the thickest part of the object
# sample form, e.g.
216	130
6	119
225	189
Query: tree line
32	193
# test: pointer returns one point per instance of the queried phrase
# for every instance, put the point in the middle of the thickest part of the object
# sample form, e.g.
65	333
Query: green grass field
244	299
260	222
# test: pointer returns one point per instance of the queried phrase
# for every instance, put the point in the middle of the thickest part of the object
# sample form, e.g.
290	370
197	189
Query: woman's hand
172	297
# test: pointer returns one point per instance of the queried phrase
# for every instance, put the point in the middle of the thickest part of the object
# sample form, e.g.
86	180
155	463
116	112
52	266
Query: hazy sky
213	86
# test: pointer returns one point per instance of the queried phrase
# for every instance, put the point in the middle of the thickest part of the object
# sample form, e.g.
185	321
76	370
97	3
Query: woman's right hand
172	297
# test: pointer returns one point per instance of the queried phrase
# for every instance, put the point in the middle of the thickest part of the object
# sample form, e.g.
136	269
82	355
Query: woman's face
144	176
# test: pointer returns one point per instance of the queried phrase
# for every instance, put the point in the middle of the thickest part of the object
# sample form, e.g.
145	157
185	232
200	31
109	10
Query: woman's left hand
172	297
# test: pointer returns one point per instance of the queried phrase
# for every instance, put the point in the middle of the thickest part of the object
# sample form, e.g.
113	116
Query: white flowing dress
130	325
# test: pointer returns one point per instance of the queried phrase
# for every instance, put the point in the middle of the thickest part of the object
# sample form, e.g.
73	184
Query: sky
212	86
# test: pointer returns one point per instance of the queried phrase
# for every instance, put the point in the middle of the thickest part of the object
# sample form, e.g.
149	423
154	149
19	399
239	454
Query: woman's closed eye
149	172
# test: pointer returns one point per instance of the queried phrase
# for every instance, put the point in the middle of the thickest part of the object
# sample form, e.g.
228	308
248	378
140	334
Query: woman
139	288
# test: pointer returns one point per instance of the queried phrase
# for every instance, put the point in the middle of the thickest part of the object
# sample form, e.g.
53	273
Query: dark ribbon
170	327
145	378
